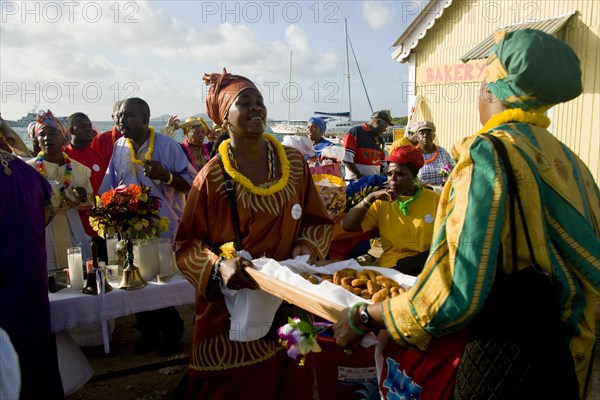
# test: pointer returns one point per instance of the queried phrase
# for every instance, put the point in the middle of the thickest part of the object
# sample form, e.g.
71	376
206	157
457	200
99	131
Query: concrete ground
124	375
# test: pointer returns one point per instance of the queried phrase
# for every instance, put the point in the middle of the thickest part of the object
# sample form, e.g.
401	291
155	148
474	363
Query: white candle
111	248
75	262
147	252
164	257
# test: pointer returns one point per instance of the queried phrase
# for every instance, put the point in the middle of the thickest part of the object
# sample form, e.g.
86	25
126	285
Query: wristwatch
365	318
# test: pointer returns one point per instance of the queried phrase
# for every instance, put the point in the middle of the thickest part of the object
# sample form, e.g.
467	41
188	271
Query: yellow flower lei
245	182
148	155
516	115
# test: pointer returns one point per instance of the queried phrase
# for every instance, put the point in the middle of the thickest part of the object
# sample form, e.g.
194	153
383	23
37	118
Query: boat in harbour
23	121
31	116
290	127
339	123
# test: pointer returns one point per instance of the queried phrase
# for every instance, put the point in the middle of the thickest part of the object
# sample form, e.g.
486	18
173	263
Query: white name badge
296	211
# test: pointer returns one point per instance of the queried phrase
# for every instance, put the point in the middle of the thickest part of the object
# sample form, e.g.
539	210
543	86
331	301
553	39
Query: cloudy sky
72	56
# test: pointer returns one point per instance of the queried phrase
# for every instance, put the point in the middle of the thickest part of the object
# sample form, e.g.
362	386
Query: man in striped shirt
364	146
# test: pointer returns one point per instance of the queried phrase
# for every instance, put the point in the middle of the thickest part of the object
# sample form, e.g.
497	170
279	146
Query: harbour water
103	126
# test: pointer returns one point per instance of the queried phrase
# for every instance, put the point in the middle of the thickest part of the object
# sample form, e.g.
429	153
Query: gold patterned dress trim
6	158
219	353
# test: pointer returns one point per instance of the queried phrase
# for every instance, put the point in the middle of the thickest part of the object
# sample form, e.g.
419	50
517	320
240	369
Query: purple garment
24	300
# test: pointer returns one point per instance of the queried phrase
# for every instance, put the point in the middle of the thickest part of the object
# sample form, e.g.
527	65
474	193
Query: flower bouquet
300	337
129	210
134	214
445	171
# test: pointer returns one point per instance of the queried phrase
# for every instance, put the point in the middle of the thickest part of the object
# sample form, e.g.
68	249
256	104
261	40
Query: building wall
453	106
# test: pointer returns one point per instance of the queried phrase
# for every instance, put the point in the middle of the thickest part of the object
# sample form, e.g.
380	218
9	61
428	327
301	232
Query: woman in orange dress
280	216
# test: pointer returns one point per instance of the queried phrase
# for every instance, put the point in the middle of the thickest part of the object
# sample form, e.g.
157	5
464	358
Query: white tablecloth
70	308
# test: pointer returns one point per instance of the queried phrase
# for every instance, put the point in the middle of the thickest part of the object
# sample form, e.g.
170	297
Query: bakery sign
459	72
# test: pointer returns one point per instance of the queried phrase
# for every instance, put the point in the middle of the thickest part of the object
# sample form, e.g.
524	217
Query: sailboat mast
290	91
348	69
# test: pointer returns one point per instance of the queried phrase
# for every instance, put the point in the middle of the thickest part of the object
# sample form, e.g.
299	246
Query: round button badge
96	167
429	218
296	211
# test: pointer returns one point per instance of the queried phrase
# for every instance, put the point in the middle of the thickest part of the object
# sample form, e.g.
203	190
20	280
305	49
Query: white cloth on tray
252	311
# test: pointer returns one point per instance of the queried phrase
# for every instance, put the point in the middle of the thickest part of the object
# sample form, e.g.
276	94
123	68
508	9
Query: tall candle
147	251
164	257
111	248
75	263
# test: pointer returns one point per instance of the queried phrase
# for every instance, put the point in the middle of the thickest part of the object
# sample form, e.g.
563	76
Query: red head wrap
407	154
222	91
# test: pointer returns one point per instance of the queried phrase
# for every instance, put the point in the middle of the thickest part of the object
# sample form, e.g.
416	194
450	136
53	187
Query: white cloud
161	56
296	38
378	13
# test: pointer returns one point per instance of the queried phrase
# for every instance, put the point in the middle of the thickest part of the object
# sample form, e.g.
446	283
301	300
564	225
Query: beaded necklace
197	162
148	155
39	163
270	162
403	205
435	154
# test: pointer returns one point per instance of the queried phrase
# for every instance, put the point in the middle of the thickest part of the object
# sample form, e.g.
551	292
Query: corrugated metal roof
418	29
550	25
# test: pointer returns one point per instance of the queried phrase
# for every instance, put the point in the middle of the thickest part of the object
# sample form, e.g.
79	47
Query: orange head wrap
223	88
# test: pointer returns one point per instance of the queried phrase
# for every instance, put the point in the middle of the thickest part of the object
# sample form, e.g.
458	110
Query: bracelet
351	312
170	179
216	268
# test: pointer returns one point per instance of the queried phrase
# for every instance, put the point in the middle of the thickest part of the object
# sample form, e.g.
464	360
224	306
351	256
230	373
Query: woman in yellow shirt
403	212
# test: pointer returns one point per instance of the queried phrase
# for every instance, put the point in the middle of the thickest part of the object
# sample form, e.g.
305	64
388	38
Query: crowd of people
233	193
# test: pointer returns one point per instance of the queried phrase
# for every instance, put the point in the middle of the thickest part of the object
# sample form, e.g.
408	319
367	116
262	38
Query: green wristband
351	311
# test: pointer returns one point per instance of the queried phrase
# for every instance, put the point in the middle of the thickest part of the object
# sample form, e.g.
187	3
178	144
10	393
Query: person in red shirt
105	141
80	128
364	147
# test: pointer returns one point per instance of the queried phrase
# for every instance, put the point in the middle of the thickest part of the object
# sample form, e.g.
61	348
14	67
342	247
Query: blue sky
81	56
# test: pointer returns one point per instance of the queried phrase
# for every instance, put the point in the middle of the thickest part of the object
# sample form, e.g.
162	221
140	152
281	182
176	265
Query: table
70	308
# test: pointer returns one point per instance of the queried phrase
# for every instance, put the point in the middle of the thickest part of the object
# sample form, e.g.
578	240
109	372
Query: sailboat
339	123
289	127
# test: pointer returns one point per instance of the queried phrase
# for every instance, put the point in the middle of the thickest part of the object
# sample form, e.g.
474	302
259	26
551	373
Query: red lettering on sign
458	70
438	76
430	78
448	73
480	67
468	72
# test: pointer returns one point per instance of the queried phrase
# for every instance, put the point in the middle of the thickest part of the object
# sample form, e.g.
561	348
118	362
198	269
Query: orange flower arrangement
129	210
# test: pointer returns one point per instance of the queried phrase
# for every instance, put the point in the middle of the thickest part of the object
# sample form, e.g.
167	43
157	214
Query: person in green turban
528	71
